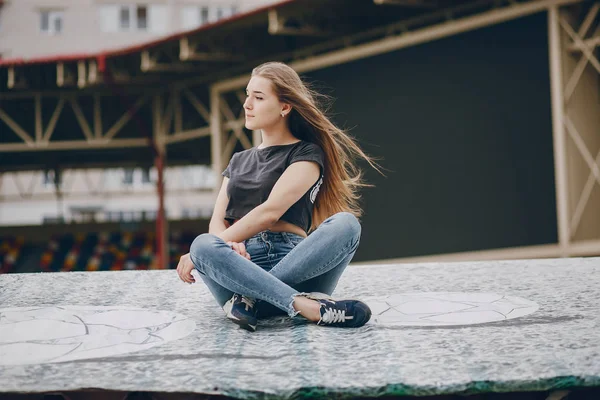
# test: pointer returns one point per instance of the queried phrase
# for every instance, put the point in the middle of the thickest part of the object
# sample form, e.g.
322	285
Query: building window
52	177
142	17
146	175
51	21
226	12
124	18
204	15
132	17
128	176
195	16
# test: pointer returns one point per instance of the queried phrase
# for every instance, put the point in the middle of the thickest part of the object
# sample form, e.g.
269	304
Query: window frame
210	13
138	8
53	15
121	25
203	19
133	20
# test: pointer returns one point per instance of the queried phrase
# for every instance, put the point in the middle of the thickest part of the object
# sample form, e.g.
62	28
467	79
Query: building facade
38	28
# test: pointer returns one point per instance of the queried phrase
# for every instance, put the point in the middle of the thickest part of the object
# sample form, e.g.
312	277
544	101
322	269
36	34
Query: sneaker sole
244	325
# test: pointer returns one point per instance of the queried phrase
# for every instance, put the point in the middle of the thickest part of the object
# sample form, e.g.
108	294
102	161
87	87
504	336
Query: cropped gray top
252	174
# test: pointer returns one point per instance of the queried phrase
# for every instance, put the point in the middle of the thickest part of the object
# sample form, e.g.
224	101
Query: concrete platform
438	329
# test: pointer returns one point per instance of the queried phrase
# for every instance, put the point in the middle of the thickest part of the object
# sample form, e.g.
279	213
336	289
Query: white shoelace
248	301
332	316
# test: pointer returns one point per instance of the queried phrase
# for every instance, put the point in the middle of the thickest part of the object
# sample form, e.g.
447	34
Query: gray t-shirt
252	174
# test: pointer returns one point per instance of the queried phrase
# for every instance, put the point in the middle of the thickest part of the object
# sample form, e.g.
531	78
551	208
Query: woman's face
262	106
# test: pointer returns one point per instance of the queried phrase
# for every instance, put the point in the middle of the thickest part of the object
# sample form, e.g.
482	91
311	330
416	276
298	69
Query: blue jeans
282	264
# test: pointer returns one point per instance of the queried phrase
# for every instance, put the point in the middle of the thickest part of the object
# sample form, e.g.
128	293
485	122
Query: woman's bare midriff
284	226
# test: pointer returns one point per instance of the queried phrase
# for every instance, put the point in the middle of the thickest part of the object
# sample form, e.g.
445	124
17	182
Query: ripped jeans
282	266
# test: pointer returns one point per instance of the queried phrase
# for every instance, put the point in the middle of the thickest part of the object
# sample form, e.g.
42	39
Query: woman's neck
277	137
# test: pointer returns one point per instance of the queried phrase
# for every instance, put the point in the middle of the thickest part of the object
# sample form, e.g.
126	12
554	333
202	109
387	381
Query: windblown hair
307	121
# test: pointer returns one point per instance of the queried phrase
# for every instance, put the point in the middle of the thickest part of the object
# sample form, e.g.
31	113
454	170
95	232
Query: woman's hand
184	268
239	248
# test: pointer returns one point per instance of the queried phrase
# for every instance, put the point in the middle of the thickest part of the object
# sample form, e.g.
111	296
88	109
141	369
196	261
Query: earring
282	115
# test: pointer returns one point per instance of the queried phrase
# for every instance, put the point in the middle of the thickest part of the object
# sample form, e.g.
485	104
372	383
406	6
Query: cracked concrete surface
537	328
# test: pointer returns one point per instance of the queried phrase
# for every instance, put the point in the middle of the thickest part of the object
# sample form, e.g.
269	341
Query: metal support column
216	133
558	129
162	250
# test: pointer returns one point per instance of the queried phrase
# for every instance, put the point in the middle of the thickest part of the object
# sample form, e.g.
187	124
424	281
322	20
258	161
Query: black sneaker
343	313
241	310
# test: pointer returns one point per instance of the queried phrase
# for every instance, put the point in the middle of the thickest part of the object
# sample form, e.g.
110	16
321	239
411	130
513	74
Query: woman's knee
349	224
203	244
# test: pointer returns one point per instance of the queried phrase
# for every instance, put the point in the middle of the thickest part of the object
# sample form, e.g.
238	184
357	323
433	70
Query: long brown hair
342	177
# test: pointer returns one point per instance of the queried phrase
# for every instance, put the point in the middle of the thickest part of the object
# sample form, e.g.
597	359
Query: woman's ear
286	108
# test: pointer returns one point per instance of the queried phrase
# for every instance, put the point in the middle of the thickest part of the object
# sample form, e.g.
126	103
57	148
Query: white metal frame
564	42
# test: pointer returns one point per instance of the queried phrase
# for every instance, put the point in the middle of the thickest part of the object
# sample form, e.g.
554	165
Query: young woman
257	259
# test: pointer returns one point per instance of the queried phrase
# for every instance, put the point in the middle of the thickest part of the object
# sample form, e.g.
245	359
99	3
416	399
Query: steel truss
575	79
94	135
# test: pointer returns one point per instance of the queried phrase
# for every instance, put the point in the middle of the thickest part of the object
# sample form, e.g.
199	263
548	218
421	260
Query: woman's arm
295	181
217	221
